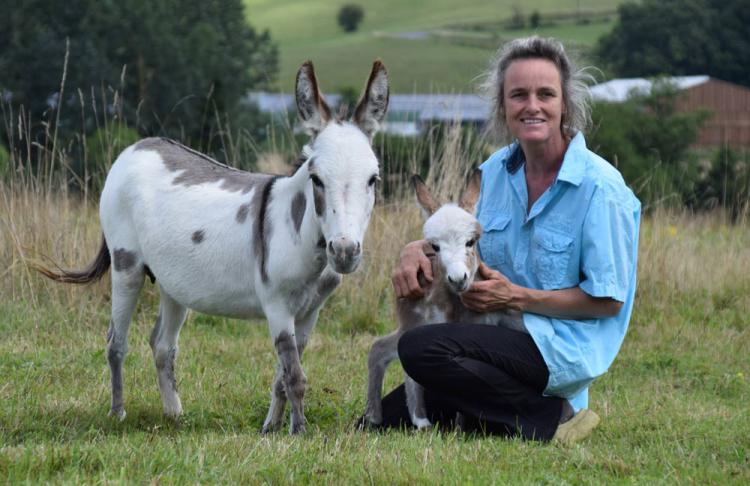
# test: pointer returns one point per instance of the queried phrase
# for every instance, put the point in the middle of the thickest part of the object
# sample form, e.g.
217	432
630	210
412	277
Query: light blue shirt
581	232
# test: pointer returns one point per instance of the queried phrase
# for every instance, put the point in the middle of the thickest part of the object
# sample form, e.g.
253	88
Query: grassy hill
427	46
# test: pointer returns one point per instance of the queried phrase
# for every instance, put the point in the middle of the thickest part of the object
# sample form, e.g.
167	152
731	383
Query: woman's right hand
404	278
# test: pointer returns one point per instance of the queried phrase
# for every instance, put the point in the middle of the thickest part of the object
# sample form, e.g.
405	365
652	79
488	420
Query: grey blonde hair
576	96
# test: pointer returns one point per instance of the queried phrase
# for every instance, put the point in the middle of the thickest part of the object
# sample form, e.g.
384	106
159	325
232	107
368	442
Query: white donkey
452	232
226	242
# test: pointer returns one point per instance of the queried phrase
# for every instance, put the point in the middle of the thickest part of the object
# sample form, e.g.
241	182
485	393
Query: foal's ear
424	197
311	107
372	106
469	197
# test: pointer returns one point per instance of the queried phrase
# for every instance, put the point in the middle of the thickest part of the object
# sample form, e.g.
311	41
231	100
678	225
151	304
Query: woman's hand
404	278
494	293
498	293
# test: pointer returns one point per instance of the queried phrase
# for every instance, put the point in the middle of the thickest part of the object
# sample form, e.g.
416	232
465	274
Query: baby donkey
451	232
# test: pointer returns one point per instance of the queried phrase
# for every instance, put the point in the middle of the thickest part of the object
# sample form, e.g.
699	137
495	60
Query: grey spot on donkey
196	168
198	236
123	259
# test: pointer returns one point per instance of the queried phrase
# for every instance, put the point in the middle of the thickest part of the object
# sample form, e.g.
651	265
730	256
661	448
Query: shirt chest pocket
550	257
494	245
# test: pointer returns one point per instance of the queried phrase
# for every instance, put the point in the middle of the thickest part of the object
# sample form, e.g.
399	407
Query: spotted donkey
451	232
226	242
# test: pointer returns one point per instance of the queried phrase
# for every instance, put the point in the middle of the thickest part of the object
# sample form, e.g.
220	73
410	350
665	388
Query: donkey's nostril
330	247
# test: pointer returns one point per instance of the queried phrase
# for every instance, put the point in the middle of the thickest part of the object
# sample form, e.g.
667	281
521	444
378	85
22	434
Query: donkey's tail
92	273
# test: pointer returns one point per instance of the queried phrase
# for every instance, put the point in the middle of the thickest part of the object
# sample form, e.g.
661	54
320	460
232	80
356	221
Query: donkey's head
453	231
342	165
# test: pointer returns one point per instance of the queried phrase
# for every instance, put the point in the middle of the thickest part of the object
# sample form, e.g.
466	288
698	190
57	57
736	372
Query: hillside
427	46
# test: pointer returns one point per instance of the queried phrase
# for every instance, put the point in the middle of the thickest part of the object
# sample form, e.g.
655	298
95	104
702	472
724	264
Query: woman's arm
497	293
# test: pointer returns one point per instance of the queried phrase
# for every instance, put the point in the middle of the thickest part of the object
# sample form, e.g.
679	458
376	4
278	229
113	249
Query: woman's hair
576	96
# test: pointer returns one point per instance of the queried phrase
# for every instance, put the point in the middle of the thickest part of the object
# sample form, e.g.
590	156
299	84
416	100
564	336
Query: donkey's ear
469	197
372	106
424	197
311	107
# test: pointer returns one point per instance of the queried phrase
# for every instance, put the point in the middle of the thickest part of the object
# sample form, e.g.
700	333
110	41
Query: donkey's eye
373	180
435	247
470	243
316	181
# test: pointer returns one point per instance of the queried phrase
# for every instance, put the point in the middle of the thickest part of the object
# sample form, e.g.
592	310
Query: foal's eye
435	247
470	243
373	180
316	181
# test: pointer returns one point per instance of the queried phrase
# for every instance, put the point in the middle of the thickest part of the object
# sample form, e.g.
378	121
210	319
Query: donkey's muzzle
344	255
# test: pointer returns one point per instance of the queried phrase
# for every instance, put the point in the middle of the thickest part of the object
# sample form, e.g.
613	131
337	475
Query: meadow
451	46
673	406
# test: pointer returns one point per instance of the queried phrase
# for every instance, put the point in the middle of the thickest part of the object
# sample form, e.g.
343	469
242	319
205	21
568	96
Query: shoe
577	428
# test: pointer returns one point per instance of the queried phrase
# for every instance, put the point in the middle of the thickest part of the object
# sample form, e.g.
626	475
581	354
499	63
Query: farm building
729	105
407	115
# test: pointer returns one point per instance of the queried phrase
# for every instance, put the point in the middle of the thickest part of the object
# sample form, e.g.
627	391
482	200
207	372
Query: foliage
4	162
535	19
349	17
726	183
174	64
649	143
680	37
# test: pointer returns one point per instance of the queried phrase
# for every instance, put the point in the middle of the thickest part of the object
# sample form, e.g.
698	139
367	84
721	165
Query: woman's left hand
494	293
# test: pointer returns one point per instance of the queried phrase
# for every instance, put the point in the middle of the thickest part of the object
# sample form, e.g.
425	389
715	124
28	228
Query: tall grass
673	406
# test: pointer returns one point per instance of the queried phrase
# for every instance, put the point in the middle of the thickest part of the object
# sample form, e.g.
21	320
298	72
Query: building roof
618	90
453	107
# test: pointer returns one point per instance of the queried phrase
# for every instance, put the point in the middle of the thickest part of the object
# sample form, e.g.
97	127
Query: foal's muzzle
344	254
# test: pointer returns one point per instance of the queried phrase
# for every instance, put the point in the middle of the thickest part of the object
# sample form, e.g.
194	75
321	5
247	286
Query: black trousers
494	376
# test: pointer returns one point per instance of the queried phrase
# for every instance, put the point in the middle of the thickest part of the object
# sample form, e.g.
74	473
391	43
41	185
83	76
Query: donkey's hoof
118	414
297	429
270	428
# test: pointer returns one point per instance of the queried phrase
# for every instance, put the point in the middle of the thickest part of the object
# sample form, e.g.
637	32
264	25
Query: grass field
439	62
673	407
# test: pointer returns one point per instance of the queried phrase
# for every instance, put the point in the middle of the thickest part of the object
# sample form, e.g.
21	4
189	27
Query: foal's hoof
118	414
422	423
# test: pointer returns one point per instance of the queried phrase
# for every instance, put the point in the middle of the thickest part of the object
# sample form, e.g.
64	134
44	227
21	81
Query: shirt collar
574	163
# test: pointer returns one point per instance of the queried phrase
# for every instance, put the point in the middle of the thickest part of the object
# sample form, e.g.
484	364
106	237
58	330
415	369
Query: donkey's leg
415	403
383	351
164	346
282	331
126	285
278	402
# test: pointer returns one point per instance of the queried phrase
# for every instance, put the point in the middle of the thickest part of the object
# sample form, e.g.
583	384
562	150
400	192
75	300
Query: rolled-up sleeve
609	233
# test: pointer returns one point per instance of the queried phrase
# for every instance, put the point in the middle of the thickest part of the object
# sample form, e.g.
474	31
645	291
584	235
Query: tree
350	15
175	64
680	37
648	140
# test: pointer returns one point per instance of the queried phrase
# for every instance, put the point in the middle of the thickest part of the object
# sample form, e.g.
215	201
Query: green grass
308	30
673	406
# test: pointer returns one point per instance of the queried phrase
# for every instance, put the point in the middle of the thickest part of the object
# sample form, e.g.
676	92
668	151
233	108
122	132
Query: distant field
456	49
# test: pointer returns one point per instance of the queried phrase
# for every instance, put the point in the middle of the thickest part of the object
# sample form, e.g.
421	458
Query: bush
726	183
649	143
350	16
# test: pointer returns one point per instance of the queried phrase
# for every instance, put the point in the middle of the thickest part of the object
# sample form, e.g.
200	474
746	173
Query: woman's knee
417	348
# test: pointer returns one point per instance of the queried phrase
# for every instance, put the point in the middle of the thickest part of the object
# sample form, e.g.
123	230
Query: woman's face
533	101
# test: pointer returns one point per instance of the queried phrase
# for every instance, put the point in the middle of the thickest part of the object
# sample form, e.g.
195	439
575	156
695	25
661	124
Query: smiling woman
560	229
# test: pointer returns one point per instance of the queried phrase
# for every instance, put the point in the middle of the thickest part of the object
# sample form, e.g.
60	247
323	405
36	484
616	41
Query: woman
560	238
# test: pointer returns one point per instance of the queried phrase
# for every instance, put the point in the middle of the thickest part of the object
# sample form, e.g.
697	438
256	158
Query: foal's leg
127	281
415	403
164	347
383	351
